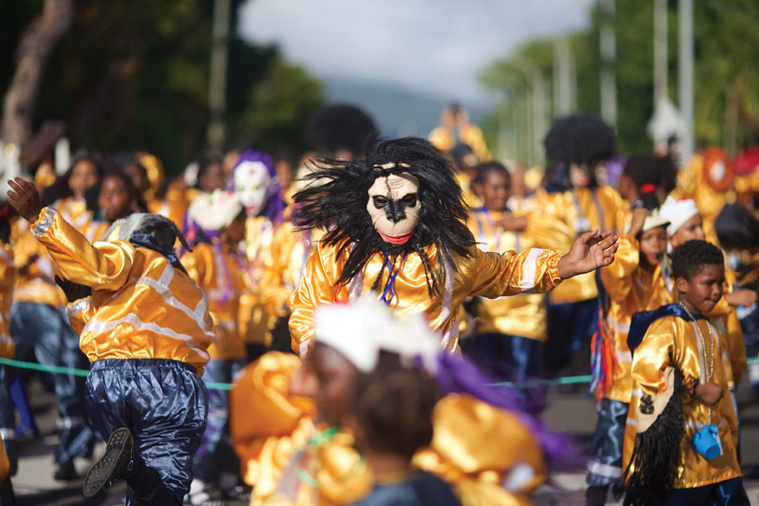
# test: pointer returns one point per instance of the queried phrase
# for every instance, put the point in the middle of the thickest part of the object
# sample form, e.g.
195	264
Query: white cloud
438	46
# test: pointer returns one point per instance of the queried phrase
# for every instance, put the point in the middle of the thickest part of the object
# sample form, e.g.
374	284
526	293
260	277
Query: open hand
590	251
24	198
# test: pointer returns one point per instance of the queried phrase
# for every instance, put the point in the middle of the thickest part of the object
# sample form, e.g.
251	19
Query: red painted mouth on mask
398	239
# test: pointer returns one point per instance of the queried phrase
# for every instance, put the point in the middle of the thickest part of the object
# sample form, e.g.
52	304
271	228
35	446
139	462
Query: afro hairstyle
336	127
580	138
339	206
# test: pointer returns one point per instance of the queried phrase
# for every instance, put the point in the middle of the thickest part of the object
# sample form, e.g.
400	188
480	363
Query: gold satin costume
259	234
523	314
35	274
283	267
445	140
673	341
222	274
142	307
475	446
631	289
583	209
489	275
7	279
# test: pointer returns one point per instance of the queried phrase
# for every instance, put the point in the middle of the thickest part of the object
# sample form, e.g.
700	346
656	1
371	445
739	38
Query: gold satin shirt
486	274
631	289
582	209
221	273
673	341
523	314
7	279
141	306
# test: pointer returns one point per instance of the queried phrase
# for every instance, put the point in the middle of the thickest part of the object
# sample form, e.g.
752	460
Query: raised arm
105	267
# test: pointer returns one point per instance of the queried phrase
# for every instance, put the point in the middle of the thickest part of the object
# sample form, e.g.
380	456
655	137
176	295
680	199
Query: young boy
145	327
633	283
682	422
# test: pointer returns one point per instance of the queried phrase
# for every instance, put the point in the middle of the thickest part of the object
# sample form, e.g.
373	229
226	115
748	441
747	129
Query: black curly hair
339	206
689	258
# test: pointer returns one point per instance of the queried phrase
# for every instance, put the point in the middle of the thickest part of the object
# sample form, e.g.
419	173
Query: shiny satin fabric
35	281
283	267
222	274
486	274
269	427
692	185
141	307
471	135
5	464
603	209
471	199
631	289
673	341
523	314
474	448
259	233
7	280
487	453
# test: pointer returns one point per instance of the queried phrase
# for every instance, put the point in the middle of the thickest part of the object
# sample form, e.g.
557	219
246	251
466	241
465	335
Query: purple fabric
274	205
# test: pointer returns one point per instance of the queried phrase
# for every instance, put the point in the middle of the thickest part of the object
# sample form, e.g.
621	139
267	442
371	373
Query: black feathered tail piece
650	475
335	197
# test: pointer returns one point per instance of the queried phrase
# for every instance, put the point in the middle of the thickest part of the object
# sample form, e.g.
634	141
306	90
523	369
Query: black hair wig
689	258
580	138
339	206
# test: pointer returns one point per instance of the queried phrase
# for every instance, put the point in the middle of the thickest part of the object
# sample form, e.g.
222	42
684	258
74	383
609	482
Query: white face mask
251	184
394	207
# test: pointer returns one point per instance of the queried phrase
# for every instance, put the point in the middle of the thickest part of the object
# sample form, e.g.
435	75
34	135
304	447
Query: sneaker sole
100	476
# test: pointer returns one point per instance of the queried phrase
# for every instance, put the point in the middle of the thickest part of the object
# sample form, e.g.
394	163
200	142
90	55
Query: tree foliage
133	74
726	49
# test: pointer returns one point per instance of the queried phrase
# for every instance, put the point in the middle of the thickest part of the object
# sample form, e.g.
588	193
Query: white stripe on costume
162	287
605	470
132	319
529	269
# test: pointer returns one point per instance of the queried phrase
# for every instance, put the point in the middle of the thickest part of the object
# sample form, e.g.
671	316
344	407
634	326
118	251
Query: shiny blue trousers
724	493
605	465
162	402
43	333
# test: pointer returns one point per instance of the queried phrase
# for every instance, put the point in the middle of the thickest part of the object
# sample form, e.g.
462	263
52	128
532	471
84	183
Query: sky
432	46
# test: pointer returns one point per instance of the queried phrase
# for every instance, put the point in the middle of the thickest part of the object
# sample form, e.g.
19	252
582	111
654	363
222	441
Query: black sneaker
113	466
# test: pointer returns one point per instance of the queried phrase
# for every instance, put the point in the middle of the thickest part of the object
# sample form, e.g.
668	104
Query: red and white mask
394	207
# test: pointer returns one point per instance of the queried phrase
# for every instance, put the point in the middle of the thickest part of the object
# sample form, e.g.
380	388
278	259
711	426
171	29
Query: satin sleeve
195	267
735	344
79	313
105	266
511	273
653	355
617	277
316	287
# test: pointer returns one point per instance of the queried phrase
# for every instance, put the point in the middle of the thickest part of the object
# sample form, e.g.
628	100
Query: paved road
571	413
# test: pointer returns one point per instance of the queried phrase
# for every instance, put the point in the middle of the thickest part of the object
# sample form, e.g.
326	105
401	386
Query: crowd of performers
383	311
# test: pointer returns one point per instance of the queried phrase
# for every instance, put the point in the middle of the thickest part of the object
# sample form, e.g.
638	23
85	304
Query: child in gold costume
682	420
396	226
490	455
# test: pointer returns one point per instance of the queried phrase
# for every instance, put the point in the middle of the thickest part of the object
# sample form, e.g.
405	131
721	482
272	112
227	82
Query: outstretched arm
104	267
590	251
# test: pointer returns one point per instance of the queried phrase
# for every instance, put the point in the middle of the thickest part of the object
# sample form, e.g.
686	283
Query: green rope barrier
82	372
567	380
